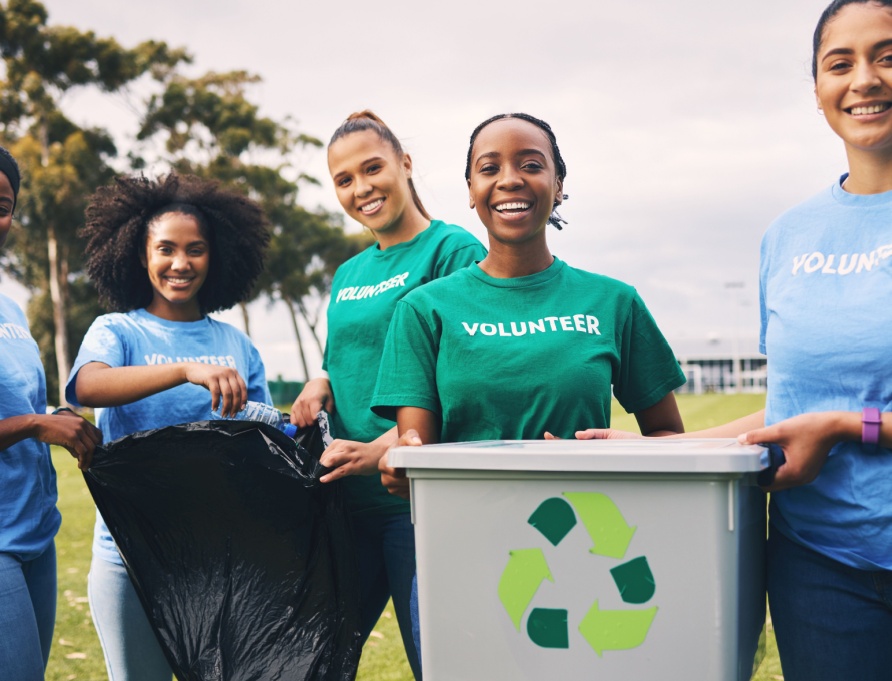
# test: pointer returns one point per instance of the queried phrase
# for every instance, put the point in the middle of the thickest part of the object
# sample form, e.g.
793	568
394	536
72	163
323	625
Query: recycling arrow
603	522
615	629
520	580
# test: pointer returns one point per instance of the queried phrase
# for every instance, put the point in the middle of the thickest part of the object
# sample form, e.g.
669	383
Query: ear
471	197
559	192
407	166
818	100
142	258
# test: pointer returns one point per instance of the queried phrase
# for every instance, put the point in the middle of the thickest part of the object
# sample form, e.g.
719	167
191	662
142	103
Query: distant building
715	365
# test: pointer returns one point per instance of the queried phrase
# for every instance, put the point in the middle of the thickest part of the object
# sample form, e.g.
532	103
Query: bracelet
61	409
870	426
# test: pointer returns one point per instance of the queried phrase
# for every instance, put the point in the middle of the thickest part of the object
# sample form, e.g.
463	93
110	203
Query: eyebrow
522	152
847	50
363	163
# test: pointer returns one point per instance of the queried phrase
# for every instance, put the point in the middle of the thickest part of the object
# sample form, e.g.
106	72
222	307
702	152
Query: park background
686	128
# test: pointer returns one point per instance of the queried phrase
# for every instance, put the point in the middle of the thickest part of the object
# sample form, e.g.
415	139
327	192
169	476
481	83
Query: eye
5	211
838	66
343	182
532	165
196	252
488	168
374	168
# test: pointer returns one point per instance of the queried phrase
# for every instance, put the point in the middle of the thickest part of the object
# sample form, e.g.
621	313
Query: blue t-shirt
138	338
28	516
825	288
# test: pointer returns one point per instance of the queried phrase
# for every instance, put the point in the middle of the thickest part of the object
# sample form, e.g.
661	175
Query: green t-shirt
512	358
364	294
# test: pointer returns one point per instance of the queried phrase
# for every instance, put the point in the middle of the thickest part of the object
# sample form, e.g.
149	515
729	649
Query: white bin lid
616	456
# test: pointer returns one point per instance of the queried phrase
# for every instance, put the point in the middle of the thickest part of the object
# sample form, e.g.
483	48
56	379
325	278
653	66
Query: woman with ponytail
372	175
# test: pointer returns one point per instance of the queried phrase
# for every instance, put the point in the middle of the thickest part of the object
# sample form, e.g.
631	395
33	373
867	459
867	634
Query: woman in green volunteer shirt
521	344
373	179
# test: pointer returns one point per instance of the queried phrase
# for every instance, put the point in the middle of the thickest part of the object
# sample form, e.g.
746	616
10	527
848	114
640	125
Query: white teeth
863	110
516	205
178	280
369	207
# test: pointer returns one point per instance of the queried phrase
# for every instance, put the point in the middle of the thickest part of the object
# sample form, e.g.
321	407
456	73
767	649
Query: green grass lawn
76	654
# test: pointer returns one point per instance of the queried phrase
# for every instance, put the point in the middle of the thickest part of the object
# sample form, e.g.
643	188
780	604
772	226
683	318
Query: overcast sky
686	126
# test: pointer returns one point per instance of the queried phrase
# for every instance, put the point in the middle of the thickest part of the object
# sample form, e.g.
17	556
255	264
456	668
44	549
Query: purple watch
870	426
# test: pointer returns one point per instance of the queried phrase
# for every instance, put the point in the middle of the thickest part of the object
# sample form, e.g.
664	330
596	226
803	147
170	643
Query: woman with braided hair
521	343
163	254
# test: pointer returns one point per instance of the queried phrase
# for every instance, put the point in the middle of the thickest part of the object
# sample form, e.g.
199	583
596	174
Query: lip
179	282
515	215
862	115
380	201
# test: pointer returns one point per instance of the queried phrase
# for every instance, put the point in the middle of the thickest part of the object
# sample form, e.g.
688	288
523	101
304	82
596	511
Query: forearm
730	429
842	426
422	421
17	428
99	385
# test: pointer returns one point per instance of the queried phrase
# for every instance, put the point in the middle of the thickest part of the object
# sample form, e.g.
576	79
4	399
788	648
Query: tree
210	128
62	163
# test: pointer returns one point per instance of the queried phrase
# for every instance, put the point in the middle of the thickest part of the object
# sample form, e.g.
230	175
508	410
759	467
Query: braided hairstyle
560	167
118	218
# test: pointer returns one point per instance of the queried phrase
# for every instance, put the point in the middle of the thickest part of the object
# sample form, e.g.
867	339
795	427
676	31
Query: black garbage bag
243	561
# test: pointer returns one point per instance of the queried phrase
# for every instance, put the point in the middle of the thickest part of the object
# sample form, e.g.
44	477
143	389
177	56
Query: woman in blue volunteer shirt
830	386
162	254
29	519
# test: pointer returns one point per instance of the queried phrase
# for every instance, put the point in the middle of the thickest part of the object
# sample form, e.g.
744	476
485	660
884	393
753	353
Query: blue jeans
385	550
132	653
27	614
831	621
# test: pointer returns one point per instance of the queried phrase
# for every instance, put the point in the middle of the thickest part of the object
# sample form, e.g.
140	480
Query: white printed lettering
472	329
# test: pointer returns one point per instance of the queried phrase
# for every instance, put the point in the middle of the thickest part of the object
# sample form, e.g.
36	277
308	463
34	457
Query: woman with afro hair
163	254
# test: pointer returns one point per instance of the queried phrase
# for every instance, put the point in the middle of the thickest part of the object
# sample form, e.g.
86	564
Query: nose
509	177
865	77
180	261
362	187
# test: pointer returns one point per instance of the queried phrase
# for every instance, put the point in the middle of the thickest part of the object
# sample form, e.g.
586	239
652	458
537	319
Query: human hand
74	433
606	434
347	457
394	479
315	397
806	440
227	387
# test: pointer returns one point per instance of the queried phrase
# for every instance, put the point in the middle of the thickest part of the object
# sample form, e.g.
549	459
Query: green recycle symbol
610	534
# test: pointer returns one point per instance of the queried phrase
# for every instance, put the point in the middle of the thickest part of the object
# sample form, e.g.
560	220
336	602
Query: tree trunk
58	290
244	308
311	324
300	346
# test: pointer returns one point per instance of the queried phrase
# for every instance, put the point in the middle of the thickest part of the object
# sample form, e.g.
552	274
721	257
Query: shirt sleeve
407	376
648	369
102	343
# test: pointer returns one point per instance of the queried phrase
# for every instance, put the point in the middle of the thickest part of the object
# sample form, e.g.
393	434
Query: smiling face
372	181
853	83
513	183
177	259
7	200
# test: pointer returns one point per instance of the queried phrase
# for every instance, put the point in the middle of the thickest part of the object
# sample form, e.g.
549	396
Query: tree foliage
62	163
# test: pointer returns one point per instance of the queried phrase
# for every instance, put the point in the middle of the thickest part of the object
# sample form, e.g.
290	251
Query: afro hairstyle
117	222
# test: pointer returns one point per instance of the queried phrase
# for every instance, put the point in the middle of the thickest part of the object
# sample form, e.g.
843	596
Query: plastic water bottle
257	411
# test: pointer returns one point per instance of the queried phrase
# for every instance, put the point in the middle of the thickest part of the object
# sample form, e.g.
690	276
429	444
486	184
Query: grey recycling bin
618	560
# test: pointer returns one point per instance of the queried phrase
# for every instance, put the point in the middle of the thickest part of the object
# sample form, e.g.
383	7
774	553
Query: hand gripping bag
241	558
